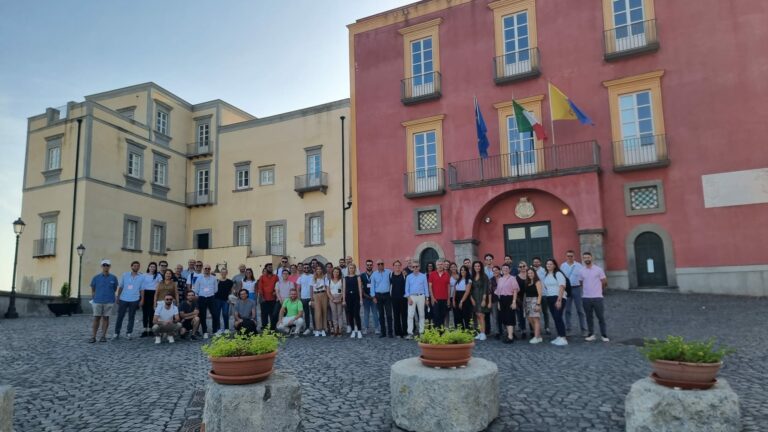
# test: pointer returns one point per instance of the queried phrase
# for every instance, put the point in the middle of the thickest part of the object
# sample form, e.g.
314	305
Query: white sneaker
115	336
377	332
307	332
483	336
605	339
590	338
170	339
477	337
560	341
316	333
349	329
157	340
353	334
205	335
129	336
359	335
322	333
535	340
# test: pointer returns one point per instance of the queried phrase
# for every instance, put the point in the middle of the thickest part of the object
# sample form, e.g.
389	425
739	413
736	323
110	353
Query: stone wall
33	305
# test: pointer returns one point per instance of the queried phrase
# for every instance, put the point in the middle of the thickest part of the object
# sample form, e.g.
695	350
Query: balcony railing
649	151
517	65
44	248
310	182
201	198
199	149
524	165
630	39
425	182
420	88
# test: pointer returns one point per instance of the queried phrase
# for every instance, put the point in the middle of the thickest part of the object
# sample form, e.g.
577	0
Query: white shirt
318	285
305	283
249	285
335	287
552	284
166	314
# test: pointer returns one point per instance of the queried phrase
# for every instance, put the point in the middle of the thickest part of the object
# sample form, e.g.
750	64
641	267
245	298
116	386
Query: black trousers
462	315
506	314
400	315
384	305
268	315
353	312
205	304
148	309
439	311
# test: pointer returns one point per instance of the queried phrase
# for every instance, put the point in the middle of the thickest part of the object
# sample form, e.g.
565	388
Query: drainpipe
345	205
74	203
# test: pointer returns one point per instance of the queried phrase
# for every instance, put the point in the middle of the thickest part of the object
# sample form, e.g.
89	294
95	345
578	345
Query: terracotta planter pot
242	370
446	355
685	375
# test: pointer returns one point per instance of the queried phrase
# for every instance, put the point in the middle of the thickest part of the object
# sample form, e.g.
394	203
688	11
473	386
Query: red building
669	188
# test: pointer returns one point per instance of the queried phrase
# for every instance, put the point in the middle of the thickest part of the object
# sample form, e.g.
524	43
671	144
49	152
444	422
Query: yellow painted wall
137	99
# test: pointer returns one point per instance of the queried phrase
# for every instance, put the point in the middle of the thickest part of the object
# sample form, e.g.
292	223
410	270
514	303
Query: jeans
222	309
595	305
439	311
545	312
122	307
557	314
307	312
384	310
205	304
369	308
575	300
400	312
521	321
268	314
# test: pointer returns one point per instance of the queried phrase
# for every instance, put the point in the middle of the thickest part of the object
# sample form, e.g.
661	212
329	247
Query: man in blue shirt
369	307
416	290
128	296
380	291
103	287
572	270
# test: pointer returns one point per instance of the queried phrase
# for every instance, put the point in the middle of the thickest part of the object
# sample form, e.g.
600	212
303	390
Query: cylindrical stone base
6	409
271	405
445	400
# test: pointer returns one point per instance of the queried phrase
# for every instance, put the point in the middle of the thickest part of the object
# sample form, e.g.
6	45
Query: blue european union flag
482	131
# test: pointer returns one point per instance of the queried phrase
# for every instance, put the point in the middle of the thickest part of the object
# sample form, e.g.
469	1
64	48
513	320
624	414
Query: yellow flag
558	104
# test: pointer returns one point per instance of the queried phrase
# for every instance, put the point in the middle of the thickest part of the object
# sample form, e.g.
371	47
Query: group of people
510	301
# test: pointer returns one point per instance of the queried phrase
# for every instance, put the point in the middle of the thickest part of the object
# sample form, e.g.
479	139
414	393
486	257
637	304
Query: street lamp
18	228
80	252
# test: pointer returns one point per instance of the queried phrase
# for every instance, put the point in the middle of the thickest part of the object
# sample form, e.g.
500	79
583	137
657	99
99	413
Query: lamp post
18	228
80	252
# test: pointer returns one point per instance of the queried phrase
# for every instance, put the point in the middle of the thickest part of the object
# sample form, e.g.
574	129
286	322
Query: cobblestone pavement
65	384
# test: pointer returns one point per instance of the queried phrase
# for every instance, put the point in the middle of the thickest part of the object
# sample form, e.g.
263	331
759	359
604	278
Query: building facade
160	178
661	189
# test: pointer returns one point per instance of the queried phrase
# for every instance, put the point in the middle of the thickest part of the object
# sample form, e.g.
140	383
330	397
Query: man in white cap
103	287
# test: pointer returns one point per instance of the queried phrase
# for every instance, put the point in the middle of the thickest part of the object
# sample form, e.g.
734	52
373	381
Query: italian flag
527	122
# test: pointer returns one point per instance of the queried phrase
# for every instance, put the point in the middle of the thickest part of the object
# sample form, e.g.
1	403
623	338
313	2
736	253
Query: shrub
243	344
443	336
65	291
675	348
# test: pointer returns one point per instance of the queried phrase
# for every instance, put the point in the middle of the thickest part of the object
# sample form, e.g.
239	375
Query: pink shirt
591	281
507	286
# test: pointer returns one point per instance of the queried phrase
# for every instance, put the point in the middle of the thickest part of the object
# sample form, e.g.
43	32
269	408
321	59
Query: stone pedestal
271	405
6	408
444	400
650	407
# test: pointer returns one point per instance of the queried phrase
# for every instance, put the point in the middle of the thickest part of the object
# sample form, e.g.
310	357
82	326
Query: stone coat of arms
524	209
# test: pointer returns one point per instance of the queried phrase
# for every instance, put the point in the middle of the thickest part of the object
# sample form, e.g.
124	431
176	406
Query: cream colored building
162	179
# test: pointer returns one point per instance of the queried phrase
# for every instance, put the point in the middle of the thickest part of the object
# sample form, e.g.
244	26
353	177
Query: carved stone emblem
524	209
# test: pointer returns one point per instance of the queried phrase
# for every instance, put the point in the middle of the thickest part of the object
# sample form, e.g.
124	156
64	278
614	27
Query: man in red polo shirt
266	290
439	287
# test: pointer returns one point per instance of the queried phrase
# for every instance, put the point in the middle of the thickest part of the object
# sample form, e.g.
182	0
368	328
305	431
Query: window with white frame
313	229
131	232
242	175
203	134
157	239
425	161
628	17
266	176
134	164
637	131
44	287
160	171
520	145
162	121
422	67
517	54
54	156
242	233
276	238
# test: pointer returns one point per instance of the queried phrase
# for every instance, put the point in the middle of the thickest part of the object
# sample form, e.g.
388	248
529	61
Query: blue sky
265	57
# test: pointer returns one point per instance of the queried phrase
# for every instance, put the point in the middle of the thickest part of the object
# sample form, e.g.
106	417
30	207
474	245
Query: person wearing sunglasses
166	320
416	289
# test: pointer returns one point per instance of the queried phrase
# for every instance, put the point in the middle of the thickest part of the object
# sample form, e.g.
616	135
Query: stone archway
669	255
425	245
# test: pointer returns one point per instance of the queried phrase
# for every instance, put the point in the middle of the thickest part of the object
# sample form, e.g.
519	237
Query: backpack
568	287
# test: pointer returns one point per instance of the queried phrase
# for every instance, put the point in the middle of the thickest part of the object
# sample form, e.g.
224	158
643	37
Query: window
134	164
49	238
134	171
266	176
242	233
515	39
203	134
637	123
160	171
422	59
313	229
276	237
131	233
645	197
203	183
427	220
54	157
630	26
424	154
243	175
314	166
44	286
521	149
157	239
127	112
162	121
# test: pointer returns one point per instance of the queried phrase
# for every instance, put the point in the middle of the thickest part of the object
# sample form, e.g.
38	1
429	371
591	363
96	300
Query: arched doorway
428	255
650	260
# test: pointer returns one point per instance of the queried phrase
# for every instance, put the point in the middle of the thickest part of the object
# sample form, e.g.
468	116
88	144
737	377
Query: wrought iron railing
516	65
201	197
44	247
425	182
640	151
421	87
542	162
630	39
200	148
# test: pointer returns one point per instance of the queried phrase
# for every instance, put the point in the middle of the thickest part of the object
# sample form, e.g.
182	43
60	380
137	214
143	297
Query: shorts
102	309
187	324
530	305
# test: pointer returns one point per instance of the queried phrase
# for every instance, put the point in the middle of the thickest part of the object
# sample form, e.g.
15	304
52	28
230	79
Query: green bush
65	291
442	336
243	344
675	348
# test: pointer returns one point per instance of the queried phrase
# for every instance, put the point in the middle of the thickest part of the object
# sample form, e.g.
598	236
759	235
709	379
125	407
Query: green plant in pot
685	364
446	347
242	358
65	304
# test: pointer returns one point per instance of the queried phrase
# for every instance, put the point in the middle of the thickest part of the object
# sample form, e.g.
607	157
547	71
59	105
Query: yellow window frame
502	8
648	10
423	30
413	127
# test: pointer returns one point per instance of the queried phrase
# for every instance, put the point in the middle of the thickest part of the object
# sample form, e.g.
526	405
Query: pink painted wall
714	81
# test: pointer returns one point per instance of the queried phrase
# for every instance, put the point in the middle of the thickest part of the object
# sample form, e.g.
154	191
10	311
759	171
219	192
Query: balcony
631	39
310	182
420	88
649	151
545	162
516	66
426	182
199	149
201	198
44	248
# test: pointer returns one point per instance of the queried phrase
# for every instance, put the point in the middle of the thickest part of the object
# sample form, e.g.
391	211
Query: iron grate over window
646	197
428	220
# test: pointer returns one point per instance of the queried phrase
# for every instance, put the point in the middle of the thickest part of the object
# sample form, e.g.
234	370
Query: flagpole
551	115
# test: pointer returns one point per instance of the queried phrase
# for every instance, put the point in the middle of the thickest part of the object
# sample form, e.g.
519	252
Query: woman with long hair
493	316
453	277
532	291
480	296
336	297
149	286
507	289
554	292
462	299
249	283
319	300
167	286
352	299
